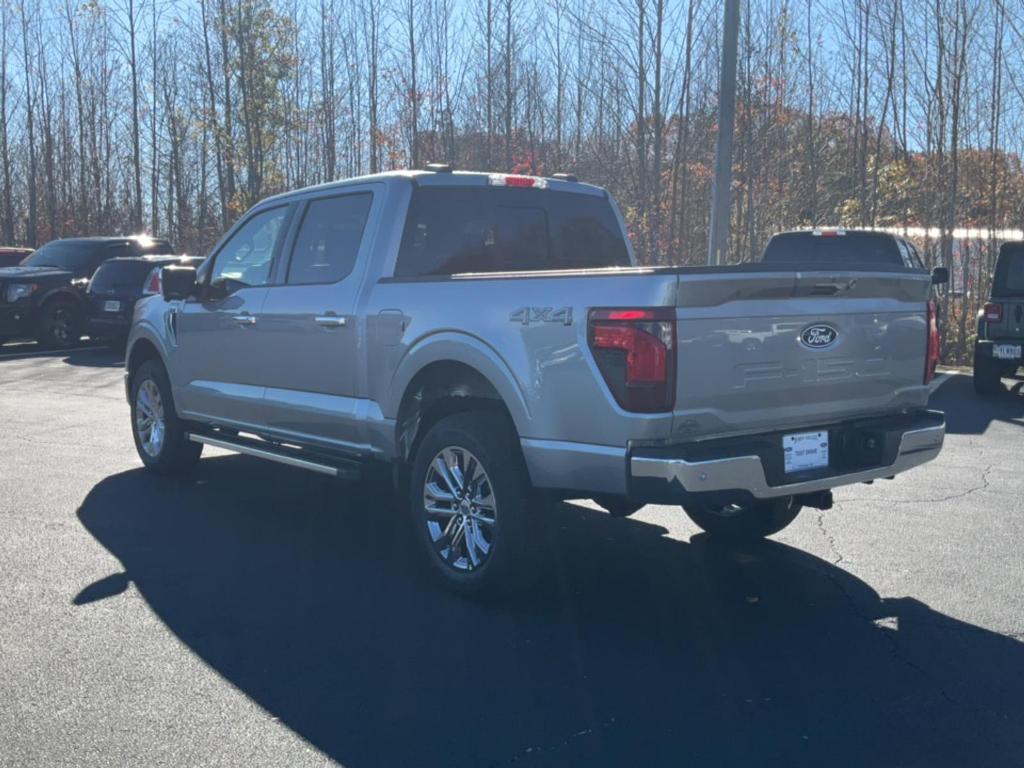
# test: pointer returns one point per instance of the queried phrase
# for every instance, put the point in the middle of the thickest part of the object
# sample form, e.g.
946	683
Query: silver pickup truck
492	338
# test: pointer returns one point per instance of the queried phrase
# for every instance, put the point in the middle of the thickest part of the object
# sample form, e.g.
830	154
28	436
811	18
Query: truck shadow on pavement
972	414
637	649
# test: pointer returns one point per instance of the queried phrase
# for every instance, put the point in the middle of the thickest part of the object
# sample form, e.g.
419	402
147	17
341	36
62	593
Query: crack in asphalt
531	752
832	547
938	499
892	638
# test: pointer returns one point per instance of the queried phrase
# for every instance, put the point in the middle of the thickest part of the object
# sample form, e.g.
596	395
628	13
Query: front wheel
470	503
744	522
60	326
160	436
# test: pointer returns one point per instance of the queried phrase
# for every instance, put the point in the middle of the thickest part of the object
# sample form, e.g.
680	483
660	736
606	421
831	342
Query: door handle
329	321
245	319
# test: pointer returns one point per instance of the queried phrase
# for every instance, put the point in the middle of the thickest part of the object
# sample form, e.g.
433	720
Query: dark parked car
11	256
838	247
118	284
1000	343
44	297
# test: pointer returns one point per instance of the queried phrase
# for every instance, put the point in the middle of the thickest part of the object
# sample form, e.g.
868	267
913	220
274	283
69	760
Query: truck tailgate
775	350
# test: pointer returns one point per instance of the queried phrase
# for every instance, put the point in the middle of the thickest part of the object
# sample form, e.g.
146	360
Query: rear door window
452	230
328	241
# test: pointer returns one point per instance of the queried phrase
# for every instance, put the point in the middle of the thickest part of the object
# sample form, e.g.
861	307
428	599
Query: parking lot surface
260	615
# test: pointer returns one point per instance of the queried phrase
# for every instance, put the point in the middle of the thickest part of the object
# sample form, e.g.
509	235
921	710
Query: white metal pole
718	236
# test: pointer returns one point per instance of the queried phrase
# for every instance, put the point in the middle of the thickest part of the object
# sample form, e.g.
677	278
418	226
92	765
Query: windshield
70	256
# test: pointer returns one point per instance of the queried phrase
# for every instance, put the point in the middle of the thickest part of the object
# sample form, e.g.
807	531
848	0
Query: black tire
744	523
617	506
987	376
508	565
176	454
60	323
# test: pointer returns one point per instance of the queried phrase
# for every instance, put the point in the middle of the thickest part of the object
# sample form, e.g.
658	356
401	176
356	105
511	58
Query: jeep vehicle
999	345
117	285
44	296
491	338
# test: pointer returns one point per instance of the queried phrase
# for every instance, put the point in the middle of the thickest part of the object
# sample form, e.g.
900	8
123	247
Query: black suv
1000	343
118	284
44	297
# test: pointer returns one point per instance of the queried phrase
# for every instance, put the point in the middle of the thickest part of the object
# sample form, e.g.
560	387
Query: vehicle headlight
17	291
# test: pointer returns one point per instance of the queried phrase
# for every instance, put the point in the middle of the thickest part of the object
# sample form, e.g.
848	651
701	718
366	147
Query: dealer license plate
805	450
1006	351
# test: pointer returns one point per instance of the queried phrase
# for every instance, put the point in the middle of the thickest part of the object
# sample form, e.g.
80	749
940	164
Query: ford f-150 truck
492	338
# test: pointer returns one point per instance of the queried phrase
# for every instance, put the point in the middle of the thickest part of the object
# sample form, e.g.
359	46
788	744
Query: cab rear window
451	230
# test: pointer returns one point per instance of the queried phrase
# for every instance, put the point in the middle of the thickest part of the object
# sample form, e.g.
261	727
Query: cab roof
441	178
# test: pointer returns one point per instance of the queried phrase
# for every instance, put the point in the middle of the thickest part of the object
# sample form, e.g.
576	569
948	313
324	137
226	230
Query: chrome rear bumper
747	474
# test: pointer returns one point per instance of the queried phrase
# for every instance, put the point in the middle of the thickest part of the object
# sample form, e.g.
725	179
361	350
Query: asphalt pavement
261	615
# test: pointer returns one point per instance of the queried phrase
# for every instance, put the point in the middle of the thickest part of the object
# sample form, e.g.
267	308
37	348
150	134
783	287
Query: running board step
293	457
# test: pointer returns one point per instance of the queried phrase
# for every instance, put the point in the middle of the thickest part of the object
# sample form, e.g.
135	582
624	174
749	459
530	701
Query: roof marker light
504	180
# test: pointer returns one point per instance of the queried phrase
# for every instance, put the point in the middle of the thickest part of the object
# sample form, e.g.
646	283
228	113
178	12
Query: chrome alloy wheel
461	509
149	418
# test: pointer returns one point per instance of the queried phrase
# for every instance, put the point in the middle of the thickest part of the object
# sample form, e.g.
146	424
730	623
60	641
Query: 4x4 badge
818	336
534	315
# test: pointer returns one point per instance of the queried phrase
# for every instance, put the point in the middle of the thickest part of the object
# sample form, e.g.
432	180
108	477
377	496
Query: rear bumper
734	470
105	324
105	327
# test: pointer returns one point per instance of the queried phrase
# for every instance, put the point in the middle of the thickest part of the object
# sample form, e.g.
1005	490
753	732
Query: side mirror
940	275
177	282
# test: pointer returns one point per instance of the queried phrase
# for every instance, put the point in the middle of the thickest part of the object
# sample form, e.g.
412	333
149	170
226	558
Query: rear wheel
470	503
744	522
160	436
987	376
60	326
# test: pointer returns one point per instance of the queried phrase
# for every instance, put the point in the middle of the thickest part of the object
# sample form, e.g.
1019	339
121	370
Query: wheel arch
60	293
141	350
441	386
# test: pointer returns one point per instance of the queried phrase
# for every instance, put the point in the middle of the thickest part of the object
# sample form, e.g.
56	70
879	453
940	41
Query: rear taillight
635	350
152	285
993	313
932	356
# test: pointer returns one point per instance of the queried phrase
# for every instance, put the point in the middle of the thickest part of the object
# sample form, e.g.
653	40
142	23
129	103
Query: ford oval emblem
818	336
